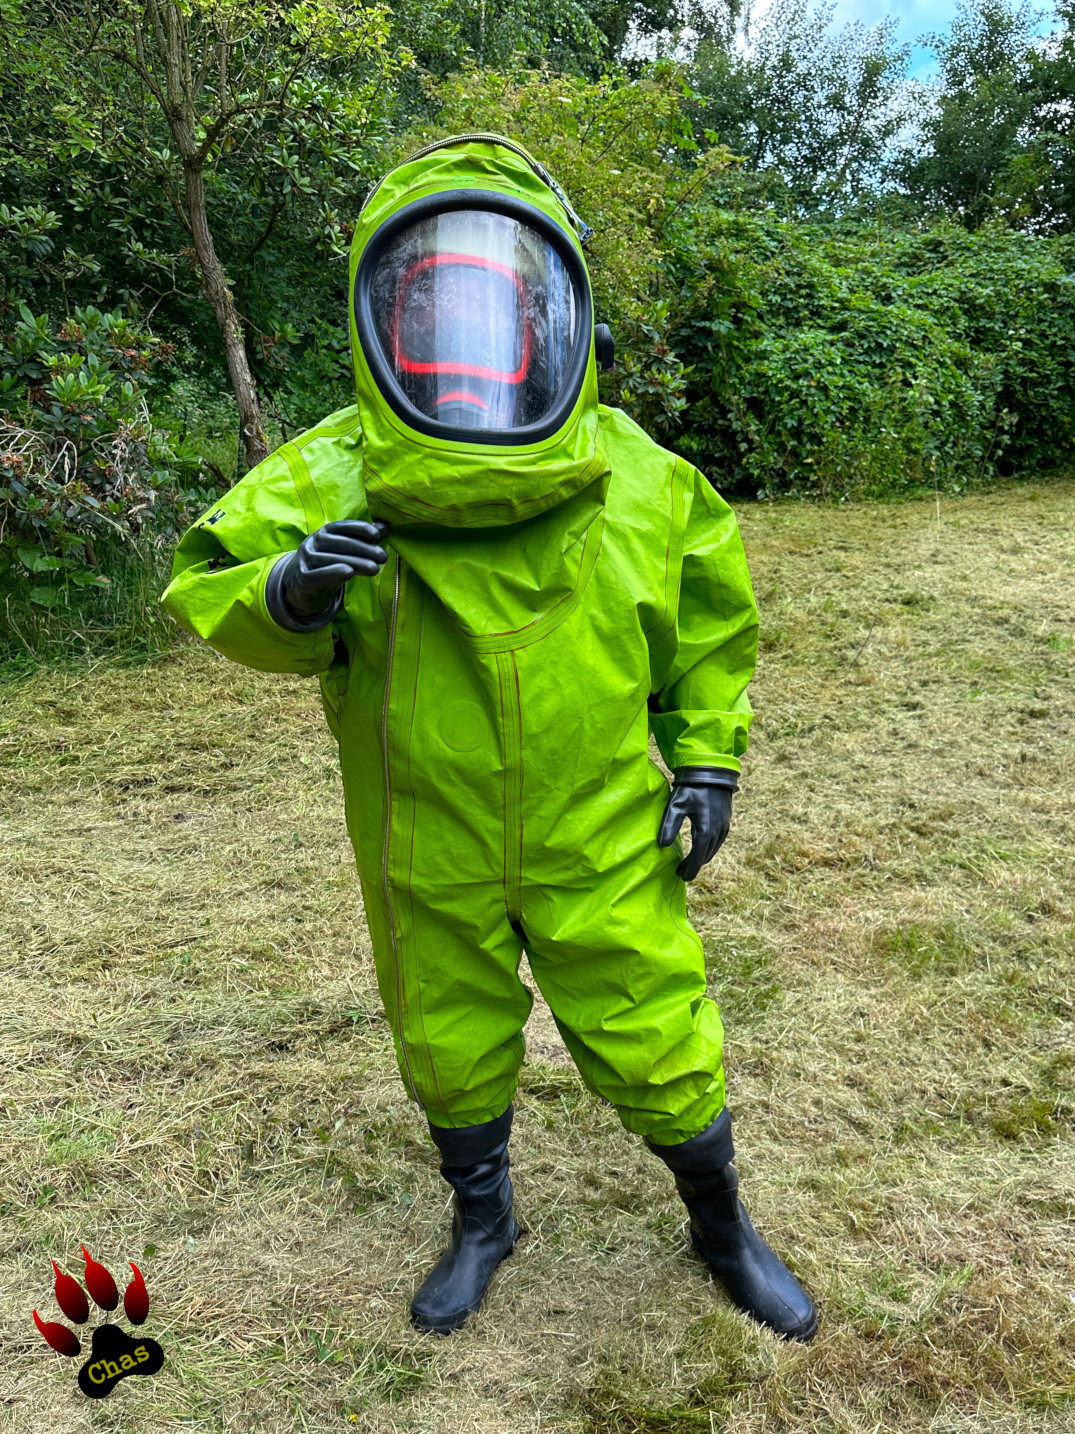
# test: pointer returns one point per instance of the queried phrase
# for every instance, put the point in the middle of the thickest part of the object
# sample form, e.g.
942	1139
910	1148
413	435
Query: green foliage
1038	187
80	457
122	617
810	111
971	157
493	34
318	378
859	360
256	164
581	37
627	154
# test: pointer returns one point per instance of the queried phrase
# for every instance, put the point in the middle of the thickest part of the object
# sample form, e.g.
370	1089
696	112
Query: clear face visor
477	317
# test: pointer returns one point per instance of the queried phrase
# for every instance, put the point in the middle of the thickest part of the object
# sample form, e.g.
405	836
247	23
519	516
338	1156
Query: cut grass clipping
197	1074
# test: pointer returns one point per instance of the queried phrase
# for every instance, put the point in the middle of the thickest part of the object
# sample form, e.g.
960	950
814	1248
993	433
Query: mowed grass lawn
196	1073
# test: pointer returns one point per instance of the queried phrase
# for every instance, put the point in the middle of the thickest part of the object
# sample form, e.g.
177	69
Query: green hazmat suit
544	607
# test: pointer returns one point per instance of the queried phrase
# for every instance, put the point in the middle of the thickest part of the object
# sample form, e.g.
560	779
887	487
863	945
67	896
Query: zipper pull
584	230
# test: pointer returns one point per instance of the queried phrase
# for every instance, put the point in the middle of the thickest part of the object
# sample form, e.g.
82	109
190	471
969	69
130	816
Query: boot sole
457	1321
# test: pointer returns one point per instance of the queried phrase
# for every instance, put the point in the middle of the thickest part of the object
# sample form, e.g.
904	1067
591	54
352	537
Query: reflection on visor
476	316
489	334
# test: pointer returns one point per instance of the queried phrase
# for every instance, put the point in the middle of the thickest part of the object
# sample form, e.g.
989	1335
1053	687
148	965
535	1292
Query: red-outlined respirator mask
478	321
463	337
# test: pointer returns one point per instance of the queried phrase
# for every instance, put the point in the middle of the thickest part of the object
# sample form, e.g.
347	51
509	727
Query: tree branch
277	209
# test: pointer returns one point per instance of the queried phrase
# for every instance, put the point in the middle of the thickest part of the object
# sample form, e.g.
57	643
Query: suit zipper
388	828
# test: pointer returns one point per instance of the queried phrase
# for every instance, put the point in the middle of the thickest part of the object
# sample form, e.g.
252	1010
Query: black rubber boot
759	1283
474	1161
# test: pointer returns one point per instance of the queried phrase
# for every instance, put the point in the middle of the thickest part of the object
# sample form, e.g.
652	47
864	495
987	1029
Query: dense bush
93	493
80	456
93	486
861	360
829	358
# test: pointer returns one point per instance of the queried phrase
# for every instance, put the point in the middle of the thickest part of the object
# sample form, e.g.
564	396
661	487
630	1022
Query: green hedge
834	359
857	359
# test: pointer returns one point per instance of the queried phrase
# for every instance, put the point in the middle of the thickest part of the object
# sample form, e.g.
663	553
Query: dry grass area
196	1073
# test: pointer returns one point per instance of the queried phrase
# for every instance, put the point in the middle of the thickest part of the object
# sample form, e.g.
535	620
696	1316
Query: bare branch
212	134
277	209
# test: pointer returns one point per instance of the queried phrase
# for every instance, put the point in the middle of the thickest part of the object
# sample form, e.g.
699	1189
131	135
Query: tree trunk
215	288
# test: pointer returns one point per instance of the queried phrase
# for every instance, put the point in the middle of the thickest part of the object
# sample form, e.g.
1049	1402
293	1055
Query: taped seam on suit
312	507
497	642
399	710
393	934
511	725
673	552
409	652
346	429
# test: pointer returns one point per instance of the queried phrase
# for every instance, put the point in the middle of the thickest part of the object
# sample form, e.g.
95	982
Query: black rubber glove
304	591
704	794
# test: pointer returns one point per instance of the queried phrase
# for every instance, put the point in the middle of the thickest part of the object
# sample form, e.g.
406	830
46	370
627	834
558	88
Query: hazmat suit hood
505	524
497	477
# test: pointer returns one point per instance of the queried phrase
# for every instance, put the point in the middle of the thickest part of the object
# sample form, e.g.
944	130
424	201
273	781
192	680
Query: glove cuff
706	777
283	615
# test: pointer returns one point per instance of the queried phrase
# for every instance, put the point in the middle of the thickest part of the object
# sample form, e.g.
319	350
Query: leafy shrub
871	361
320	379
824	358
81	459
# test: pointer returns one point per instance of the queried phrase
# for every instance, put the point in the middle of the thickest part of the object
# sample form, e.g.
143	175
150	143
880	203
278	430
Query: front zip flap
388	828
582	229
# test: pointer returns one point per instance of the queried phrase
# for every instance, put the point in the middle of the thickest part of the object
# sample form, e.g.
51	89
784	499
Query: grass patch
742	976
198	1074
943	950
123	620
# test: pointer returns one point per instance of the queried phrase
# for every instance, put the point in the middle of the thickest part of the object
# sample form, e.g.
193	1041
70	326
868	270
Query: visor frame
446	202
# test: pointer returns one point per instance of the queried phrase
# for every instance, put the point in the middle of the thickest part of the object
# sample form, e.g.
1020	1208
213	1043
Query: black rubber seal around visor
446	203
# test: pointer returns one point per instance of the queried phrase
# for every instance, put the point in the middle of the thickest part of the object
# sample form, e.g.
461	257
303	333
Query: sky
914	18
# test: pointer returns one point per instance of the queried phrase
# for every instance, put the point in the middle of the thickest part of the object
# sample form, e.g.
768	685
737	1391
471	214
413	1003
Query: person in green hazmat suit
503	587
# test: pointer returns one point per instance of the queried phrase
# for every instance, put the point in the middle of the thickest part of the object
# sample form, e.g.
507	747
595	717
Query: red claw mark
62	1340
100	1283
71	1297
136	1297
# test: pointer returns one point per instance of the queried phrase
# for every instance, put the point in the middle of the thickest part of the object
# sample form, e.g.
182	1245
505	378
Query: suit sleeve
217	589
699	710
